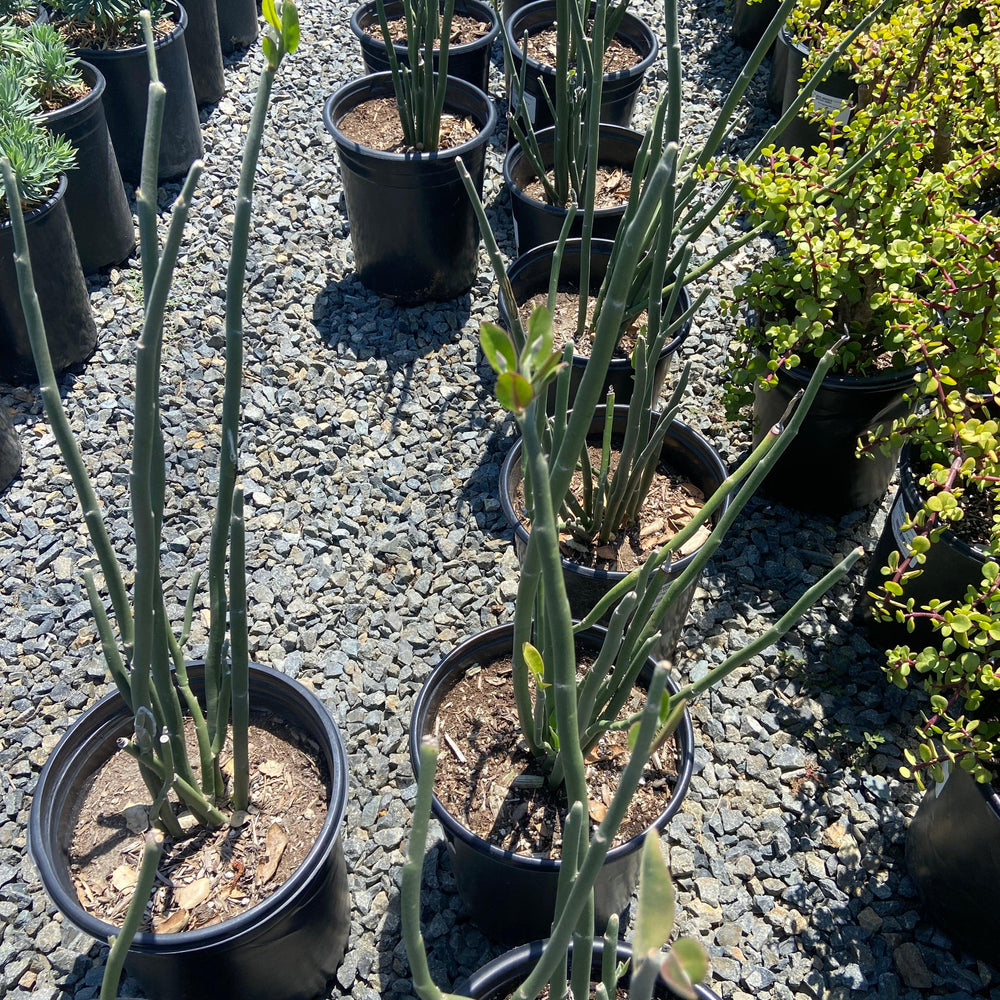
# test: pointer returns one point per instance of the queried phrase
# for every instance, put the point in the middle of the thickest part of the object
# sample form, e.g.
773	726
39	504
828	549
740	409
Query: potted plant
414	234
69	95
474	27
871	242
41	159
237	24
289	943
107	35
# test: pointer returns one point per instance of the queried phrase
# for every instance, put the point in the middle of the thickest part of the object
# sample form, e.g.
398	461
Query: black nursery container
10	451
62	292
819	471
469	62
751	20
95	196
836	92
127	74
512	897
685	450
529	275
413	230
536	222
204	49
238	24
289	945
620	89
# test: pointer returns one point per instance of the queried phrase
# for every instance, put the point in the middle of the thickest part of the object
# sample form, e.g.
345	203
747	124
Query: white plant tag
827	102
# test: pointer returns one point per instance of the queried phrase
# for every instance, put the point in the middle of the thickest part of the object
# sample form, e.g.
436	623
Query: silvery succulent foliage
51	70
37	156
10	9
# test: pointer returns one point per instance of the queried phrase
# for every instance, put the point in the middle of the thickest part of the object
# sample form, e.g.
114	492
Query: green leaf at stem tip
533	661
498	348
514	392
270	50
538	343
270	13
655	913
686	964
289	25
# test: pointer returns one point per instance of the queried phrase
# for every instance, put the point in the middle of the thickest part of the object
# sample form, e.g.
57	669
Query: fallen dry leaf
276	842
124	877
272	768
695	541
189	896
598	810
173	924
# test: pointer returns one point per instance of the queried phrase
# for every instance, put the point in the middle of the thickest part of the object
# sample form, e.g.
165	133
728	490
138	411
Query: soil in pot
464	30
618	56
214	874
375	124
483	769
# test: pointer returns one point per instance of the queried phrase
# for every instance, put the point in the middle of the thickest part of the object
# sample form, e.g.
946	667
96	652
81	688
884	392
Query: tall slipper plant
143	650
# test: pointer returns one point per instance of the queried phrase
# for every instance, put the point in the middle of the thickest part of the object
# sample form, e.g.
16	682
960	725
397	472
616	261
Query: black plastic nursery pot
62	292
529	275
238	25
620	89
469	62
10	451
819	471
951	565
536	222
288	946
683	449
95	196
498	979
413	230
837	93
204	49
953	856
127	74
512	897
751	20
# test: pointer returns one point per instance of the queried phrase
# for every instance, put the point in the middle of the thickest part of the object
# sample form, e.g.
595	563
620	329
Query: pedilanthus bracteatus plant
146	659
419	87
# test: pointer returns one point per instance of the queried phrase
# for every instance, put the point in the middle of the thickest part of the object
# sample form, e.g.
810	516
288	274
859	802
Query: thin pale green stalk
239	656
399	88
149	169
151	854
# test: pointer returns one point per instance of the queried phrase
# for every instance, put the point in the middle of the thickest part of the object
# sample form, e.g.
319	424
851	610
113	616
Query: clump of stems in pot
146	658
419	88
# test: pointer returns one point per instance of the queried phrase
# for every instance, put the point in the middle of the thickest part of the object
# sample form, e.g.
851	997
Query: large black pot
204	49
127	74
413	230
684	449
62	292
498	979
288	946
836	92
238	25
620	89
10	451
95	196
953	856
819	471
951	565
529	275
512	897
470	62
536	222
751	20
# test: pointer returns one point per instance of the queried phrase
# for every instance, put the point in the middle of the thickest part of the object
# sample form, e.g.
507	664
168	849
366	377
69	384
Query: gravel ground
371	453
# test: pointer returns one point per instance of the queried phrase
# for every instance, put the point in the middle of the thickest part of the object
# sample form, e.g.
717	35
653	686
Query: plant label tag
530	104
827	102
897	515
517	235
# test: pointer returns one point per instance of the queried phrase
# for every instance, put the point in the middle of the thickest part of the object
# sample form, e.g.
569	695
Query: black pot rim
588	572
896	378
549	71
508	968
684	733
514	155
914	501
380	85
243	923
600	247
94	79
175	11
490	17
44	207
